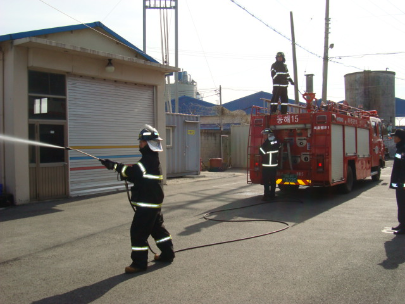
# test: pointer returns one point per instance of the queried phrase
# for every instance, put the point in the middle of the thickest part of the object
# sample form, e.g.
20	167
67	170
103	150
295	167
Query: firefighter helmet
151	135
280	54
267	131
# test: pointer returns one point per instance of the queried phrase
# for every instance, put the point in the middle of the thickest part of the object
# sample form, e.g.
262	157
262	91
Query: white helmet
151	135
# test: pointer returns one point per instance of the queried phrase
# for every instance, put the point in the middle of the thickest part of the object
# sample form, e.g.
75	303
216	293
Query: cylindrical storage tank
372	90
310	83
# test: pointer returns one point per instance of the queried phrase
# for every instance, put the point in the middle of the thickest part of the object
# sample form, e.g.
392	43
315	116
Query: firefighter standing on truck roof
269	151
147	196
398	179
281	77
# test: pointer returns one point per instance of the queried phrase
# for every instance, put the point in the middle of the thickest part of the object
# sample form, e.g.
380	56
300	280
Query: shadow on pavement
293	207
395	251
90	293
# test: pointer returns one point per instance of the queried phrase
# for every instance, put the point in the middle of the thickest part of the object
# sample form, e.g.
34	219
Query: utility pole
176	56
297	99
325	55
166	4
220	108
144	26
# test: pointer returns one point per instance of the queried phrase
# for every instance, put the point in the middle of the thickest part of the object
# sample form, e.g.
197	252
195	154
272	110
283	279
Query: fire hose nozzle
68	148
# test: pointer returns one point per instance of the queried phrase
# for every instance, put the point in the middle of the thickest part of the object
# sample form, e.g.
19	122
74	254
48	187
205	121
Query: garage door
104	120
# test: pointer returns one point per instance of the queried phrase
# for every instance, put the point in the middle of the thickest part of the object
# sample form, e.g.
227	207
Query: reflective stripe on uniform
144	248
270	159
280	85
395	185
164	239
123	171
142	167
279	73
397	155
146	205
148	176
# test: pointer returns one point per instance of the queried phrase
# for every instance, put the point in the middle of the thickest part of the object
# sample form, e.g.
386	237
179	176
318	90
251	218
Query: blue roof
73	28
190	105
246	103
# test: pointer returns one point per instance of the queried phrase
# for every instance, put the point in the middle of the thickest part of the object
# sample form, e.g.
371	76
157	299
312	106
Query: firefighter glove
108	163
292	82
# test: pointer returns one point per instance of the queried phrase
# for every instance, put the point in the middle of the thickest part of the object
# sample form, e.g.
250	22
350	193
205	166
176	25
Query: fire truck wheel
377	176
348	186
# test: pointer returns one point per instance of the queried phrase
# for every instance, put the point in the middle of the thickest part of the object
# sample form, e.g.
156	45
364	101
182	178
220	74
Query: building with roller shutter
55	87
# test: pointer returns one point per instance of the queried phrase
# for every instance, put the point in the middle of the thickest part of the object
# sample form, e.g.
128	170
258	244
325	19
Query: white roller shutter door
104	119
337	160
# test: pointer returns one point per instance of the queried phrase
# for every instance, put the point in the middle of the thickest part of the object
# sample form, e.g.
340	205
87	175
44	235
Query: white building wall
28	54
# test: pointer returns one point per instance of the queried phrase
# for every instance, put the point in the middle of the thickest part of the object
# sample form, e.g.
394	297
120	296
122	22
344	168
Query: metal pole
297	100
220	109
176	54
325	54
144	26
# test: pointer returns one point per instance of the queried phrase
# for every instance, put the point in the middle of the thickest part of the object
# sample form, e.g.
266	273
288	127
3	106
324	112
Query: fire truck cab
331	145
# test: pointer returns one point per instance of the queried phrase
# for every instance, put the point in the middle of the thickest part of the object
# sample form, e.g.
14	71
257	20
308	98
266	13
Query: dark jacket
398	169
269	151
146	176
280	75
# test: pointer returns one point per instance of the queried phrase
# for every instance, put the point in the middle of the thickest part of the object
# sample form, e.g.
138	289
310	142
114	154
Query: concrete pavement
75	250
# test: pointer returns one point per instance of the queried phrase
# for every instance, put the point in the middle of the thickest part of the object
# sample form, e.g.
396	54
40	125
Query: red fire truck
331	145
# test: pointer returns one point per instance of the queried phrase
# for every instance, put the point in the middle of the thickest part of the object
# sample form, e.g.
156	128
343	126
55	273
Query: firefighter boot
160	258
397	227
133	269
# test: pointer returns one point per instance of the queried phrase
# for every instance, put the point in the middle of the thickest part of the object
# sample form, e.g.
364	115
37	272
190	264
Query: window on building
169	134
47	96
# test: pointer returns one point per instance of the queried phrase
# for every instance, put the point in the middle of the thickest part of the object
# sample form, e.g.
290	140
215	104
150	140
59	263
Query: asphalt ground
336	250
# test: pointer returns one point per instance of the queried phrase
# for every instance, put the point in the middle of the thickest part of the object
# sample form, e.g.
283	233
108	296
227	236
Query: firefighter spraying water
147	196
41	144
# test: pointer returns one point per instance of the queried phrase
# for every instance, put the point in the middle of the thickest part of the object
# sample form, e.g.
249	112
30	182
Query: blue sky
221	44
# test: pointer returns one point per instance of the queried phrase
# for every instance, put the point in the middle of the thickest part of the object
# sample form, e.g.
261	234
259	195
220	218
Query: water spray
38	143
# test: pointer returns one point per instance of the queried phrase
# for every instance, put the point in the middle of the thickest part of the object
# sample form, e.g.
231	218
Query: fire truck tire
377	176
348	186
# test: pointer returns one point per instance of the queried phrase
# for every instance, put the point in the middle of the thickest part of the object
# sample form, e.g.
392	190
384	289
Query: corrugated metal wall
239	144
104	119
183	156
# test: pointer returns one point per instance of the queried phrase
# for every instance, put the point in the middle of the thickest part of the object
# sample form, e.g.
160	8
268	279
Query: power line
112	10
373	54
284	36
93	29
202	48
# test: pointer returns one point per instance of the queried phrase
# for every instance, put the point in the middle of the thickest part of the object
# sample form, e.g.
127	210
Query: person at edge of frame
281	77
147	196
398	178
269	151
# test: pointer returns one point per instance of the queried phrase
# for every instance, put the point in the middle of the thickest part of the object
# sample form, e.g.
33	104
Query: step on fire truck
330	145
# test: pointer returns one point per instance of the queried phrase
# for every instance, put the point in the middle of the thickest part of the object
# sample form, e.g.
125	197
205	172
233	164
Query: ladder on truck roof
331	106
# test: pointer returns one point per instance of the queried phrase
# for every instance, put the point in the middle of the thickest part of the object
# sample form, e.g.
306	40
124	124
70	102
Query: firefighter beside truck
332	145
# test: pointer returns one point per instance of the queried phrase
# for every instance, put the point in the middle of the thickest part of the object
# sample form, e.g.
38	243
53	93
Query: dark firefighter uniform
281	77
269	151
147	196
398	179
